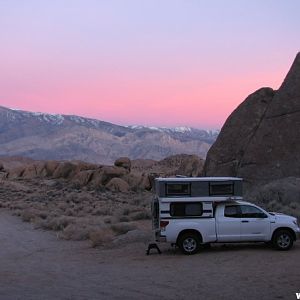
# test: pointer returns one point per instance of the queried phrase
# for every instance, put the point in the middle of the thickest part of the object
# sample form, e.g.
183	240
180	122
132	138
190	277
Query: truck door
255	224
228	223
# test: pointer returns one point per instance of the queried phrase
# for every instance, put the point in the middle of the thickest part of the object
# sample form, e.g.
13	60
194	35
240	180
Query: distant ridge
54	136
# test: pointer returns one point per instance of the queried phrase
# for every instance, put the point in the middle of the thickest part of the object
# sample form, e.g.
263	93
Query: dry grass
75	232
122	228
98	215
141	215
99	237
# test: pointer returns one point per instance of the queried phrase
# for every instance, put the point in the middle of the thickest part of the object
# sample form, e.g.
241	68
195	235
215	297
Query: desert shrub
100	236
28	215
75	232
17	213
63	206
141	215
107	220
57	223
70	212
125	211
88	209
102	211
122	228
17	205
123	219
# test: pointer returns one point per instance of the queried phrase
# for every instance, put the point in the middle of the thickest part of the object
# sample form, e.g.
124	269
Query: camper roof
182	179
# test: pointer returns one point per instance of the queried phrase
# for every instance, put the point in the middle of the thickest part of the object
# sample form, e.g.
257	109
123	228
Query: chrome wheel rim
283	241
189	245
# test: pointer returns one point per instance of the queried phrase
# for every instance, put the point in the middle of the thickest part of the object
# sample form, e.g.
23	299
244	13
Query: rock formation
123	176
260	139
260	143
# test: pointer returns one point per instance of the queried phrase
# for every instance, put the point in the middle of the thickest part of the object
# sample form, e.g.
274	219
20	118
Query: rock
84	177
85	166
260	139
50	167
29	172
41	170
16	172
108	172
64	170
118	185
191	166
123	162
145	182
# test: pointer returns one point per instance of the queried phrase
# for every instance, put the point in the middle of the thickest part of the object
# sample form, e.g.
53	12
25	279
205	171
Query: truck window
186	209
249	211
221	189
178	189
232	211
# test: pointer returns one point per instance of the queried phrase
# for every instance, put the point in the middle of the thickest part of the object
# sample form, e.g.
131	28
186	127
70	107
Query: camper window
186	209
178	189
220	189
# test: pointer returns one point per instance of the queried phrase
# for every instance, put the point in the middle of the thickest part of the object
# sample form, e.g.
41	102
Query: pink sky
171	64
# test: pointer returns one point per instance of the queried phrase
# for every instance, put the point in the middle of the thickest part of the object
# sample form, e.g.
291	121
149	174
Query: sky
144	62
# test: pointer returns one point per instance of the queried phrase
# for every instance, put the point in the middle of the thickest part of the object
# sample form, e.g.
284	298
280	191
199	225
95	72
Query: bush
98	237
75	232
123	219
57	223
122	228
28	215
141	215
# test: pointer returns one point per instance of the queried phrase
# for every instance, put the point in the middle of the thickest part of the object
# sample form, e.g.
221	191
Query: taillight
163	225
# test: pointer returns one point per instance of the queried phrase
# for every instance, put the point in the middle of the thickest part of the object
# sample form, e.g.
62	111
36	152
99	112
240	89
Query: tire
189	243
283	240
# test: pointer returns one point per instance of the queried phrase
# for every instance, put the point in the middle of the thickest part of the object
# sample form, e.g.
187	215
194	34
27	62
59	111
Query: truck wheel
283	240
189	243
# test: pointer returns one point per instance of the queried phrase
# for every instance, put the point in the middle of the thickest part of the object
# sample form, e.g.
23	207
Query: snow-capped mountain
55	136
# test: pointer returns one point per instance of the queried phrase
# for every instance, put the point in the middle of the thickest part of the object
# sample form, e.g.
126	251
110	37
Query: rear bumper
159	238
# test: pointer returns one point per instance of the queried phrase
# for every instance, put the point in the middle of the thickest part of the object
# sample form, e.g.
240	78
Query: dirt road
34	264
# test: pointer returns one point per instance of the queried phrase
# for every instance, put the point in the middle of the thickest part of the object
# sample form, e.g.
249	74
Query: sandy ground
34	264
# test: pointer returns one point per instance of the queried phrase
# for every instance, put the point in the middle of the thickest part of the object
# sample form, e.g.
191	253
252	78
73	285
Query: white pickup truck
190	222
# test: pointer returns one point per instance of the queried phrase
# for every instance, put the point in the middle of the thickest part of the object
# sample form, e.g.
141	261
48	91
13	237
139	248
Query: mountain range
68	137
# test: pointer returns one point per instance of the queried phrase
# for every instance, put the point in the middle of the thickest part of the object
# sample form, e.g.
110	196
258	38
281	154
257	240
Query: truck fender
285	228
194	231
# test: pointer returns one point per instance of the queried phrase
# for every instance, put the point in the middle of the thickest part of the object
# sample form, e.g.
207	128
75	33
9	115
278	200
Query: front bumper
297	231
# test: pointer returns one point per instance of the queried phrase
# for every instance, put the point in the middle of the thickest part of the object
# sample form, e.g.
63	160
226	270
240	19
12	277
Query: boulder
118	185
64	170
84	177
29	172
109	172
191	166
16	172
50	167
123	162
260	139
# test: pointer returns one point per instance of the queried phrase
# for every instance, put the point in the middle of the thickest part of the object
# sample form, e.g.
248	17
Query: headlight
296	223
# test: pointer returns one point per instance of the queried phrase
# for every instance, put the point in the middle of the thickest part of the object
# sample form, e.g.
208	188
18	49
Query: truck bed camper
190	211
